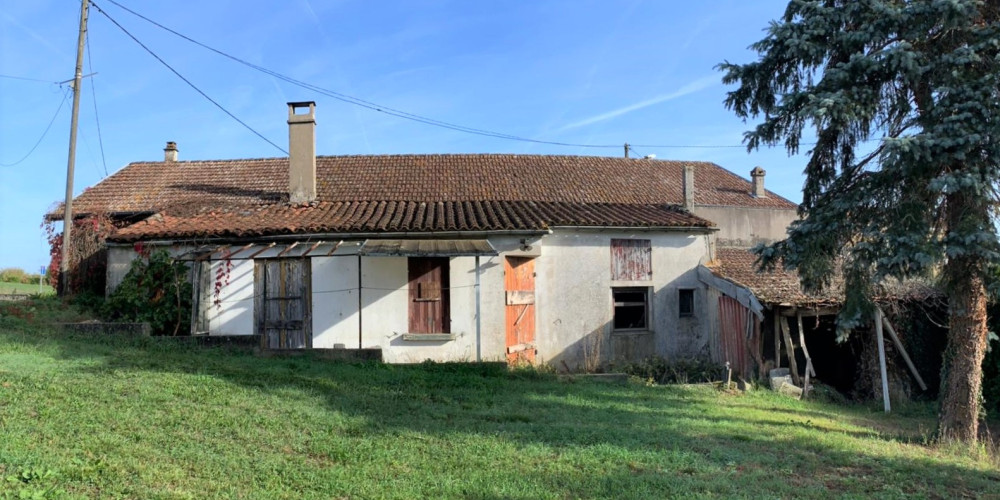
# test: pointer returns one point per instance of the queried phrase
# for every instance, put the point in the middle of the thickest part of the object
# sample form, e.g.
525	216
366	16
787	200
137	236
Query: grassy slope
146	418
25	288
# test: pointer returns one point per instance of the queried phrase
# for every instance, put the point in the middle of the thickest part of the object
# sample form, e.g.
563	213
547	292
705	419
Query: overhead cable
188	82
46	131
392	111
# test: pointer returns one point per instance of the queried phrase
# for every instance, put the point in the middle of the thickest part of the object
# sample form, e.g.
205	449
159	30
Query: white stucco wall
235	316
746	226
575	305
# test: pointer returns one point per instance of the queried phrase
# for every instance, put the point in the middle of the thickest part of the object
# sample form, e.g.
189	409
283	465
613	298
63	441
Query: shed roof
780	286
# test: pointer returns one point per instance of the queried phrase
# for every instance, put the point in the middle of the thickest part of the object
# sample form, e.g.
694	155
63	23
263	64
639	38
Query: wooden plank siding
283	302
429	310
733	336
631	260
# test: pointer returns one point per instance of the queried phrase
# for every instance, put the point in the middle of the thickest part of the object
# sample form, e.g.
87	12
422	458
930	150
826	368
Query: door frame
260	300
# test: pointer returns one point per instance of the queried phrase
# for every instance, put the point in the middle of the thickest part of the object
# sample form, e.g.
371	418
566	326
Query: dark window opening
631	308
685	302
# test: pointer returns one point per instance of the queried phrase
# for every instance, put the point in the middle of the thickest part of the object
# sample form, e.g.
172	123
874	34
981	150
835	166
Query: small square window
631	308
685	302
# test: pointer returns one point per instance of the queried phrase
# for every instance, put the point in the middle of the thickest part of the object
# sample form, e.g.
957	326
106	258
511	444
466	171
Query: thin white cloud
690	88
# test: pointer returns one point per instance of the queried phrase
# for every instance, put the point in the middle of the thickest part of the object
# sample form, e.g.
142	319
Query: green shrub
14	275
681	371
155	291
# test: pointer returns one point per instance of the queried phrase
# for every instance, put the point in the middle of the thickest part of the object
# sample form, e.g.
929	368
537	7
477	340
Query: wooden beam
805	312
881	360
313	247
805	383
777	340
287	249
262	250
805	350
902	350
790	349
245	247
334	249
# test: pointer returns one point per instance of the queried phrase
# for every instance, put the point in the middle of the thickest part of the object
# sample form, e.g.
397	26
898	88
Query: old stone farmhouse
568	260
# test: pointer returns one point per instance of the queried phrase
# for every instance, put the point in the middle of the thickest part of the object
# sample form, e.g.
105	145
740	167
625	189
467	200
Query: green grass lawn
150	418
31	289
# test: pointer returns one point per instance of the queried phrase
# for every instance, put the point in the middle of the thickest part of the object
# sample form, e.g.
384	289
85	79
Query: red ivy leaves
222	274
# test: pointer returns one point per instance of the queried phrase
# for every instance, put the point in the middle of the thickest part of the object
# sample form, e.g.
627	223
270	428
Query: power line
97	118
396	112
192	85
44	133
12	77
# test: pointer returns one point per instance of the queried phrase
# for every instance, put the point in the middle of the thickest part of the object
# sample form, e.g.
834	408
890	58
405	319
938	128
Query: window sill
434	337
630	333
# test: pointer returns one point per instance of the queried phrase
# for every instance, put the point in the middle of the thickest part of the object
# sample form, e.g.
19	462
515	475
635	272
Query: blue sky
587	72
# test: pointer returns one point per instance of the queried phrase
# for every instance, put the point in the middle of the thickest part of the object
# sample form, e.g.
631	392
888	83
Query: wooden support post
777	340
805	350
881	360
902	350
790	349
805	383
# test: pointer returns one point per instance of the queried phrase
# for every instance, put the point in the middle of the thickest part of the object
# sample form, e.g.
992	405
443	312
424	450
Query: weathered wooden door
519	285
283	302
429	295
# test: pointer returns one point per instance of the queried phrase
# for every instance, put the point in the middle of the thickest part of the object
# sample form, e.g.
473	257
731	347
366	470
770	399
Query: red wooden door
429	295
519	285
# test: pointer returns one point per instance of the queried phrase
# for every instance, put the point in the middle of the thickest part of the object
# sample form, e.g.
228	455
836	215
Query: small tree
156	290
921	78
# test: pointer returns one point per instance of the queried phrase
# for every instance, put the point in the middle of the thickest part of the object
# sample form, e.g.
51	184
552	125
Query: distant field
6	288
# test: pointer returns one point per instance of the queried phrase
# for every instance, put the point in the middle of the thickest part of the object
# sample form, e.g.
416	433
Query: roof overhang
427	248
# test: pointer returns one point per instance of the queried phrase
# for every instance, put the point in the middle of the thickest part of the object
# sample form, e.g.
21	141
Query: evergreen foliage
903	99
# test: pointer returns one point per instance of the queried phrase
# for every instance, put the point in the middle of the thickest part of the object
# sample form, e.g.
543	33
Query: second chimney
170	152
688	187
757	174
301	152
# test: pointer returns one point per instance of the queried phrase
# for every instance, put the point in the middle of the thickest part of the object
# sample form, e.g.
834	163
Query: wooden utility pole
627	147
71	162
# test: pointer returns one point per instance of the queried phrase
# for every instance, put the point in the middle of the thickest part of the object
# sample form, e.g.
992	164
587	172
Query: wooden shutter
631	260
429	295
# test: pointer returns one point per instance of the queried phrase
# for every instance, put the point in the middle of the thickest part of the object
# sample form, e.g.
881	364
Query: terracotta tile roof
408	216
190	186
783	287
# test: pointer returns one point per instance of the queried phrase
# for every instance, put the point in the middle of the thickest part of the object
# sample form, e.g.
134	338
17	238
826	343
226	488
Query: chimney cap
170	152
758	172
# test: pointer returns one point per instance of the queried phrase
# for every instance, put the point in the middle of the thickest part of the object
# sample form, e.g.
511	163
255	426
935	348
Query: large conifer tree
902	181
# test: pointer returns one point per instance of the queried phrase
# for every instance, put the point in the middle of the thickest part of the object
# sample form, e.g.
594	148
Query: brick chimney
688	187
757	174
170	152
301	152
